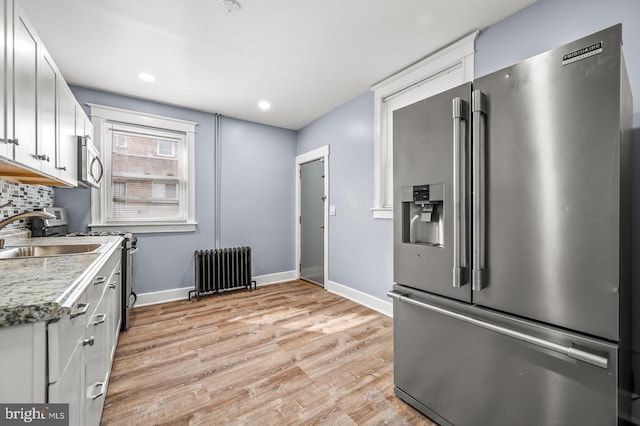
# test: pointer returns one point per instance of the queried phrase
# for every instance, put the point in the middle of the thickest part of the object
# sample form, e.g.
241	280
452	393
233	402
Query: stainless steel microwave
90	166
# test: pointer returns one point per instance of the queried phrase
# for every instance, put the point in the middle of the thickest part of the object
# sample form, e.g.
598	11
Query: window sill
145	228
382	213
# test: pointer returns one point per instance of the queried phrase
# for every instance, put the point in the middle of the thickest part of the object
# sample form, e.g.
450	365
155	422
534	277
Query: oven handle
570	351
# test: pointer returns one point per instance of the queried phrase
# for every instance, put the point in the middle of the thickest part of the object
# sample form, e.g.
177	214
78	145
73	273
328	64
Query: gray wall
360	248
258	193
165	260
549	23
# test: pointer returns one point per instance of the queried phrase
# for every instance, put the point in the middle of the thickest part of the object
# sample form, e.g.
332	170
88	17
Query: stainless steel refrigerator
512	243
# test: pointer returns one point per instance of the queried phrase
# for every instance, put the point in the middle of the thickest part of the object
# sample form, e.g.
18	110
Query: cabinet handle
99	394
99	280
99	319
63	168
89	342
42	157
113	285
116	273
83	307
13	141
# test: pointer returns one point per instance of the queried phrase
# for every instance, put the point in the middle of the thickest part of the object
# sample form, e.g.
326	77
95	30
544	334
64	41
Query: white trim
143	119
316	154
432	64
382	306
382	213
460	53
163	296
104	118
142	228
182	293
278	277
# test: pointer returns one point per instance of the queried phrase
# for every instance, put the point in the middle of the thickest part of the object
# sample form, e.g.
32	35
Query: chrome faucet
8	204
25	215
19	216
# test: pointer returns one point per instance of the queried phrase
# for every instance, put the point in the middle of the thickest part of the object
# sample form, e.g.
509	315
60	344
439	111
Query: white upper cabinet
66	156
38	131
47	113
25	104
5	147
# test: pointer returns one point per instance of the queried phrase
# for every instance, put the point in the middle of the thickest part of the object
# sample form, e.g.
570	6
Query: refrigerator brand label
583	53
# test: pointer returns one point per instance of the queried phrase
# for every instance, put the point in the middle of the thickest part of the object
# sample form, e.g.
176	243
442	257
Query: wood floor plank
284	354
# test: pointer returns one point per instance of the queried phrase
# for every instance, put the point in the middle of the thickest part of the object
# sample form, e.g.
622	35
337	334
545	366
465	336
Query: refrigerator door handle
572	351
478	108
459	193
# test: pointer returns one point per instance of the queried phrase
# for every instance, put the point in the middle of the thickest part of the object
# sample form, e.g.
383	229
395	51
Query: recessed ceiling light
146	77
264	105
230	5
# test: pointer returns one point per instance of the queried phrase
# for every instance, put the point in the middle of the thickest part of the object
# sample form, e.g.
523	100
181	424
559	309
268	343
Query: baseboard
275	278
384	307
182	293
163	296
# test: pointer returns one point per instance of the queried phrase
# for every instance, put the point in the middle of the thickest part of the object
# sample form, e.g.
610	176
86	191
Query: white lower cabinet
97	361
69	389
81	348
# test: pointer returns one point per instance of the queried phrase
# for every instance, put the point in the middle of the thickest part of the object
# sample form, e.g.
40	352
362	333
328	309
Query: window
120	142
119	189
166	148
150	180
443	70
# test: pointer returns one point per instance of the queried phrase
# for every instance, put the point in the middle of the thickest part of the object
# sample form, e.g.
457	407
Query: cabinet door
25	49
4	145
97	363
68	389
47	111
113	294
67	152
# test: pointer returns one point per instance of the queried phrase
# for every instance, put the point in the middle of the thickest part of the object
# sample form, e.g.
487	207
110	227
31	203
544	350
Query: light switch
332	210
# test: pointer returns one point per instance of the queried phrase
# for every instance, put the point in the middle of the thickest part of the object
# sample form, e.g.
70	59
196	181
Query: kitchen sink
49	250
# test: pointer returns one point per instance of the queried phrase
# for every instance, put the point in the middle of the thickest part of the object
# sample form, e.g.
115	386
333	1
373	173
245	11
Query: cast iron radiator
222	269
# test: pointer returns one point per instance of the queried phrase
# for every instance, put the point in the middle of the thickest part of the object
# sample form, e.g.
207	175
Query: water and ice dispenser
423	214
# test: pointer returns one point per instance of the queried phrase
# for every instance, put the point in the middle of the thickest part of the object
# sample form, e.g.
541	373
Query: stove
58	227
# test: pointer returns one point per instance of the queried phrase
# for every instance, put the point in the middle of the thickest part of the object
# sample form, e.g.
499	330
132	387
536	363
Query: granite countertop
45	288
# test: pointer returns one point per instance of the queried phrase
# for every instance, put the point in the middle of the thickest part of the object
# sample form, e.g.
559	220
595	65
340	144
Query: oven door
91	168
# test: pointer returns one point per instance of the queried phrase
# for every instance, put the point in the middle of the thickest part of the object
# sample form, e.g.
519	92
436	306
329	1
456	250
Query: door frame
316	154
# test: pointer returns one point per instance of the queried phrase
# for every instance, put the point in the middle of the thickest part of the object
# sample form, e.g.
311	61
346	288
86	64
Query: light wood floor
283	354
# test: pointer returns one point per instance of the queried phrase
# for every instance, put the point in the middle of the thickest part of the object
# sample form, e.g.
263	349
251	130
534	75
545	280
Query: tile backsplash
25	198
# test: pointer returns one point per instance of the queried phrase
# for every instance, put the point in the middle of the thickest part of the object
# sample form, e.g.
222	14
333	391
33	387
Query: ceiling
305	57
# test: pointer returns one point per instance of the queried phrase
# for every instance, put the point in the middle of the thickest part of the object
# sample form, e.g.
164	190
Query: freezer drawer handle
479	109
570	351
459	193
